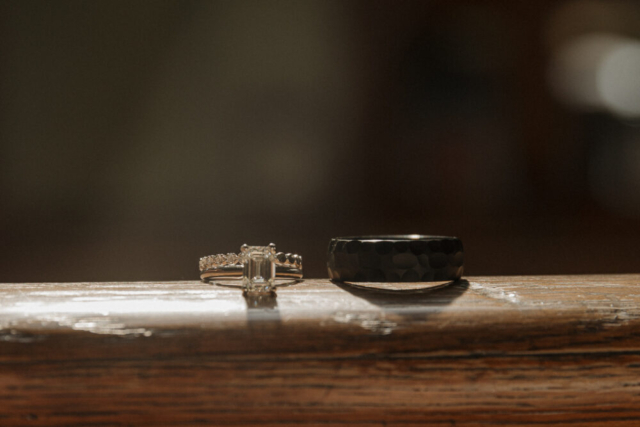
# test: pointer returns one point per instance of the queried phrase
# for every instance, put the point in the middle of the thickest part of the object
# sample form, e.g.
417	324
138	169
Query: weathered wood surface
503	350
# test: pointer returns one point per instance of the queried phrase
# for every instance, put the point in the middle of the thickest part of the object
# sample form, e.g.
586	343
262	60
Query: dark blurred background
136	137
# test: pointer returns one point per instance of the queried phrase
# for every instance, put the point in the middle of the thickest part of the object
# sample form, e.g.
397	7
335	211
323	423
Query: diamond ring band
258	266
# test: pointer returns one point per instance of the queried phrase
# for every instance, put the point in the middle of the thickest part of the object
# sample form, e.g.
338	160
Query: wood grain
561	350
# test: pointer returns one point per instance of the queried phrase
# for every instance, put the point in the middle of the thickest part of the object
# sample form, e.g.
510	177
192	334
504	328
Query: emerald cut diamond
259	268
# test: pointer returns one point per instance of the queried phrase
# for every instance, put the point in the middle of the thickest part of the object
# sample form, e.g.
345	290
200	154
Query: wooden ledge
512	350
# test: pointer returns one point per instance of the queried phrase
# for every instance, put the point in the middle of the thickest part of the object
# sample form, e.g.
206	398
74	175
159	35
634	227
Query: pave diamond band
258	266
218	261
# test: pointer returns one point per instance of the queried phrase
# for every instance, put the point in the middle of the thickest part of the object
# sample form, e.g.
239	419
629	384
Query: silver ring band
235	272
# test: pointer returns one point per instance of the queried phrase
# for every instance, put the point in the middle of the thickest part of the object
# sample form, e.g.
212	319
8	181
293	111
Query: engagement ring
258	266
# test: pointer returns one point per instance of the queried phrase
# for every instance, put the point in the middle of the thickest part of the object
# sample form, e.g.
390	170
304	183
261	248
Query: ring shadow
409	302
261	307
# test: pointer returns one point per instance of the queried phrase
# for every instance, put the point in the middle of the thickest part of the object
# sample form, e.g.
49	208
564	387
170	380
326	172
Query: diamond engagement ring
258	266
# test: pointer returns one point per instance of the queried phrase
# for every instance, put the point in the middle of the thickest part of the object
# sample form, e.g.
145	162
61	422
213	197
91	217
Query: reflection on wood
509	350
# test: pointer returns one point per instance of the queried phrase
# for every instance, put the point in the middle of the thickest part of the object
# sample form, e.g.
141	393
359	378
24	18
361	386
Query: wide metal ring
395	258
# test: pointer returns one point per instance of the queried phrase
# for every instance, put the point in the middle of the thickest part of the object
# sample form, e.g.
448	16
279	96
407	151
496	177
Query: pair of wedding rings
388	258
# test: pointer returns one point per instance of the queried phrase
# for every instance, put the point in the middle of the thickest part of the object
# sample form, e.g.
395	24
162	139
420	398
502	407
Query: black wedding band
401	258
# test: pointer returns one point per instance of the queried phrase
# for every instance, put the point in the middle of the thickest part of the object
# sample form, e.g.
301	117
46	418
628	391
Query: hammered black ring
395	258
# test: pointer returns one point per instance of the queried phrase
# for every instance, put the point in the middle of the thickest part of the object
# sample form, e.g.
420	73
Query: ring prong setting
259	268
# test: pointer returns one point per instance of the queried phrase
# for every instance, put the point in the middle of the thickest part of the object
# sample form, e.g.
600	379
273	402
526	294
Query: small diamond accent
232	259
